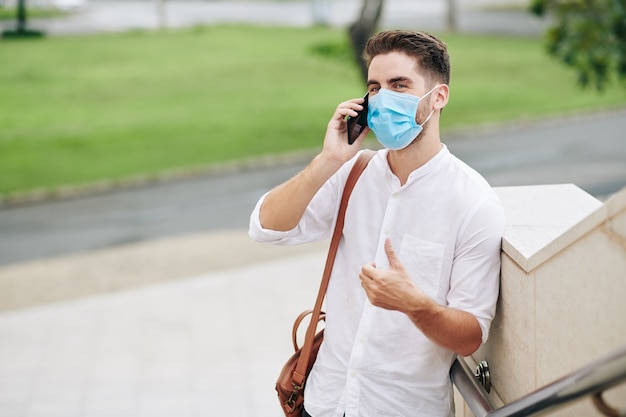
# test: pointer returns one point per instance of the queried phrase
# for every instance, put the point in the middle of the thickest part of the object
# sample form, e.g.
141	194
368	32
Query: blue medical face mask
391	116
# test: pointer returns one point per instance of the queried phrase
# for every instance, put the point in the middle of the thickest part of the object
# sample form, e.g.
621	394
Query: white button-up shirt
446	225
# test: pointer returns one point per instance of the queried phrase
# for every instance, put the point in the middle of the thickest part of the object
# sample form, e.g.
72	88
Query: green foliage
336	50
589	36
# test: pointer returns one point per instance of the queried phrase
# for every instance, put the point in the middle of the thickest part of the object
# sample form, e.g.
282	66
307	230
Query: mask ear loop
431	90
427	119
433	110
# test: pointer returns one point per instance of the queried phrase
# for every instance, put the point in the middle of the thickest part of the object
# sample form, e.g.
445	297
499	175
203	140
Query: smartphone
357	123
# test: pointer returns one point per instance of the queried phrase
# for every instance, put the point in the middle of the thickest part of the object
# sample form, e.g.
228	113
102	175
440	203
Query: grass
10	13
77	110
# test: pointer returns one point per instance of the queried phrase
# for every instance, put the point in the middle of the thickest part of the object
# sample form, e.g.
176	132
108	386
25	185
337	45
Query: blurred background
136	137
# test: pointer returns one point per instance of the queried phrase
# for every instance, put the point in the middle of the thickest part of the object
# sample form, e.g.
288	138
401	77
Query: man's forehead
394	65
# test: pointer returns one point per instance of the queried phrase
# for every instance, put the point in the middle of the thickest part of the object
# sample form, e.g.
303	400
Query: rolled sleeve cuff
259	234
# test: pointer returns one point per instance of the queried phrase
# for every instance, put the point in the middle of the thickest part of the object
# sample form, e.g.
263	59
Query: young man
416	277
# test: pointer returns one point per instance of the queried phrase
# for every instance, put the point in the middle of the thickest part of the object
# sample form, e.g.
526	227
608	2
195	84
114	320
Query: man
416	276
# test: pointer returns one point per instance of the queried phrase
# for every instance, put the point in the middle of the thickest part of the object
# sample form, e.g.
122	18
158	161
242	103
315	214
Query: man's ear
441	96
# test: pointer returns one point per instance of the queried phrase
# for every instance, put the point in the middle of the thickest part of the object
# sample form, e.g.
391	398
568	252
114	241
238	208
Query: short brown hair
430	53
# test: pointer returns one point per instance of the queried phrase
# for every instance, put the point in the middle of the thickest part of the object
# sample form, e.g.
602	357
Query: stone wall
562	300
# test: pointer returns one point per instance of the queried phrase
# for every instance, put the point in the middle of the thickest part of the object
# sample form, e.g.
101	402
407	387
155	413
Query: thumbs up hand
391	289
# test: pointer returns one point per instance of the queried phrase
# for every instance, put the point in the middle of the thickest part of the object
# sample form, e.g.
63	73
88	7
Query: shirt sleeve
475	278
317	222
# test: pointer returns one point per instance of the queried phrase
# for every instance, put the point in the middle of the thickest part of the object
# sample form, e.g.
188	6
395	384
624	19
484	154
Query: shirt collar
420	172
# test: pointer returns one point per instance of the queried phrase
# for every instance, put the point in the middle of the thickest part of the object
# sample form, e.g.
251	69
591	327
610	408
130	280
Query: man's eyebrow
396	79
391	80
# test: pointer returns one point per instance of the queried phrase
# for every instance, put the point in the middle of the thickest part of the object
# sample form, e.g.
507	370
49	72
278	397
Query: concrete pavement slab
207	345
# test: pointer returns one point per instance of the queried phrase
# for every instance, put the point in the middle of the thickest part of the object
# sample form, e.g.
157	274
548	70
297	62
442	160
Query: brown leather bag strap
299	374
296	325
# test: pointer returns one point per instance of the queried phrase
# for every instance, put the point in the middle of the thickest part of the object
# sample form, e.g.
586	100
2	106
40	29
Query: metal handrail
592	379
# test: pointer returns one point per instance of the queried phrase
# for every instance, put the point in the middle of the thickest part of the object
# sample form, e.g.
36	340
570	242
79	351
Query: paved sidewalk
206	345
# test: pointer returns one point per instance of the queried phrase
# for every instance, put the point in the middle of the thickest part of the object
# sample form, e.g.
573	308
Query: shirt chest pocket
423	260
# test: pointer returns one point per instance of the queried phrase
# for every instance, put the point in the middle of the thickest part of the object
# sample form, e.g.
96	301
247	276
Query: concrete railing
563	293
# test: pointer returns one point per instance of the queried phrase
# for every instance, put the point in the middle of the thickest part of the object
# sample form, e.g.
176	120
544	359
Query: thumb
394	262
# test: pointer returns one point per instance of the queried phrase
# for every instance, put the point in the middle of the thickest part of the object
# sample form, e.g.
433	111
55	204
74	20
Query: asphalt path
589	151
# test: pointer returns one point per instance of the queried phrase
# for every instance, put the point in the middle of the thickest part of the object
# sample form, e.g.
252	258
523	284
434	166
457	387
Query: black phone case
357	124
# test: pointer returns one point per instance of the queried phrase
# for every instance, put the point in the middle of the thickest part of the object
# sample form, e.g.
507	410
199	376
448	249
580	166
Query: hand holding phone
357	123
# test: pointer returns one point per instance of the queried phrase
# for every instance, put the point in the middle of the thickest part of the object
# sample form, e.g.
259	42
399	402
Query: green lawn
10	13
75	110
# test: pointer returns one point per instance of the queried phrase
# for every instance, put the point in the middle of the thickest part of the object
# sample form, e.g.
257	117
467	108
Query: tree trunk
361	30
319	9
21	16
161	14
451	23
